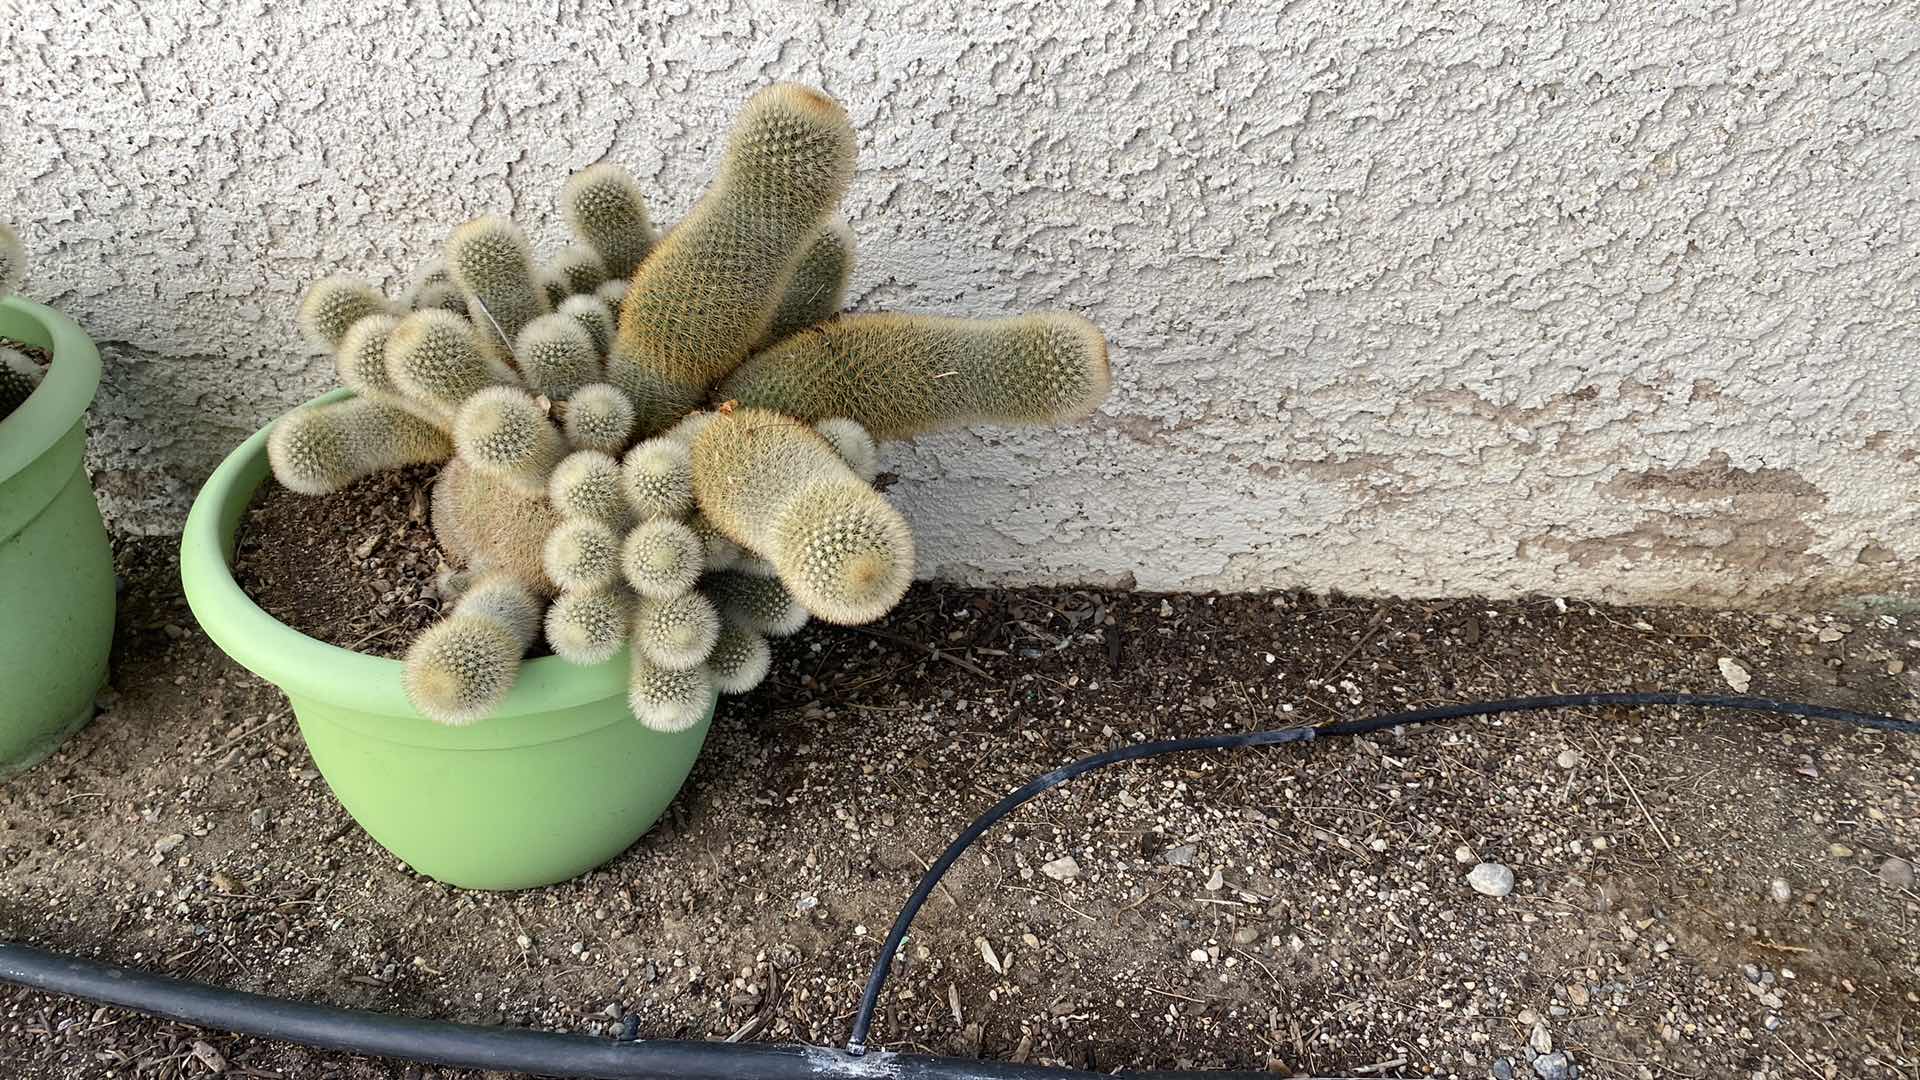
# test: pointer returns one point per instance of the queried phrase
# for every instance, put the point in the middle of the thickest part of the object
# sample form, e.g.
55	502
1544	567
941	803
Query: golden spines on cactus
458	670
594	316
582	555
587	484
904	375
489	259
818	288
661	558
556	356
433	359
853	444
676	633
332	305
658	476
613	294
13	260
665	699
598	417
604	207
504	433
708	291
577	269
776	487
760	604
590	627
492	524
322	448
739	660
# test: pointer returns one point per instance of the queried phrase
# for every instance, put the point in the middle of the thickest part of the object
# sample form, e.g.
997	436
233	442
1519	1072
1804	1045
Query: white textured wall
1613	299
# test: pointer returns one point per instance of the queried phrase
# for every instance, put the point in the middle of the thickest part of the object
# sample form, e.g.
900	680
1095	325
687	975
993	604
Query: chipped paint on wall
1603	299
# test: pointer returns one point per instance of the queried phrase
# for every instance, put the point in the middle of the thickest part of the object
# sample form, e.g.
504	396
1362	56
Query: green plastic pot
560	779
56	567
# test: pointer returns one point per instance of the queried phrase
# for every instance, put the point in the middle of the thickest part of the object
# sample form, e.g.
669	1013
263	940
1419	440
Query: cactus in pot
663	444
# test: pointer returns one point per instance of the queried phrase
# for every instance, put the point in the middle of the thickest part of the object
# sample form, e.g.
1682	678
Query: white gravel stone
1491	879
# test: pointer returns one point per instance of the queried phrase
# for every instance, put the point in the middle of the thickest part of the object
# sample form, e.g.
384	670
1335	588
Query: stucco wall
1604	299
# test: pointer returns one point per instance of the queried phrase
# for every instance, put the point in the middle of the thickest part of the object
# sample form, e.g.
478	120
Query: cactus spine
740	659
818	289
708	291
776	487
331	307
677	633
594	316
577	269
905	375
322	448
658	475
853	444
760	604
589	627
604	207
665	699
587	484
598	417
490	261
662	559
461	667
432	358
492	524
556	356
582	555
504	433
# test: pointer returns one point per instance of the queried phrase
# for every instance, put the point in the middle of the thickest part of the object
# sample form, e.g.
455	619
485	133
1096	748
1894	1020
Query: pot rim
62	397
542	706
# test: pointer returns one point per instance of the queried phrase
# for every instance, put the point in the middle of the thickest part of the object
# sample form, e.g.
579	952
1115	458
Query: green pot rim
61	399
541	707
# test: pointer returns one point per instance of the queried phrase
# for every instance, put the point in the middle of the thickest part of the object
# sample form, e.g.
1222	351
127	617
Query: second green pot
559	780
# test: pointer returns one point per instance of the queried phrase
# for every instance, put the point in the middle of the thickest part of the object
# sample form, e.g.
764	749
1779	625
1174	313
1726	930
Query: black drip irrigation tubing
553	1054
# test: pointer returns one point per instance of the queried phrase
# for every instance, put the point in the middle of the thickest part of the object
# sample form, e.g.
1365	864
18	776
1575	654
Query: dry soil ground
1697	895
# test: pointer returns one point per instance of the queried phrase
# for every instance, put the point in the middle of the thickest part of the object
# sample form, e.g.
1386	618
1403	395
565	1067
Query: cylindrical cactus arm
599	417
577	269
904	375
458	670
594	316
658	477
760	604
13	260
853	444
556	356
739	660
818	288
582	555
662	559
490	260
493	524
504	433
604	207
332	305
590	627
665	699
587	484
676	633
433	359
323	448
709	289
775	486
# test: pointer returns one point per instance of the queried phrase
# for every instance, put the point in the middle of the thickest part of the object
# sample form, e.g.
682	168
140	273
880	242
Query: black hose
552	1054
857	1041
511	1049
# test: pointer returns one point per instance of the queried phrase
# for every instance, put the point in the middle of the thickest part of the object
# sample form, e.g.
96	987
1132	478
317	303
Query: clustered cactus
662	443
18	374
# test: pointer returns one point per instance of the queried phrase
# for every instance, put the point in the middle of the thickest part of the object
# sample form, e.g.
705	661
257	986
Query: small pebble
1181	855
1554	1066
1062	869
1464	855
1541	1040
1780	890
1897	872
1568	759
1490	879
1502	1068
1736	675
